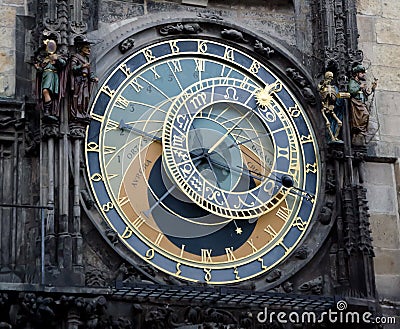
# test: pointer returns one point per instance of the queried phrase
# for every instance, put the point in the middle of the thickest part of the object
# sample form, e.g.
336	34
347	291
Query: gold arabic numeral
283	152
127	71
255	67
229	54
139	221
306	139
92	147
229	254
149	254
148	54
178	269
123	201
121	102
270	230
294	111
177	67
200	65
283	213
261	260
136	85
253	247
109	149
108	91
107	206
127	233
96	177
206	255
311	167
156	75
207	275
298	223
111	125
202	46
174	47
236	272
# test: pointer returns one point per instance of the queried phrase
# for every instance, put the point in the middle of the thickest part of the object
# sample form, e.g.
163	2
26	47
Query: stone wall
275	18
379	26
8	13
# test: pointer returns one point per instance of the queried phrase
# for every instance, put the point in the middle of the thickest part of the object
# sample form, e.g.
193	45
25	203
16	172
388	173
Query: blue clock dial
186	151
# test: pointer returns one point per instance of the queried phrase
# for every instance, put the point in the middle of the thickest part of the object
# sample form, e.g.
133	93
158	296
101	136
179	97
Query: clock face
202	161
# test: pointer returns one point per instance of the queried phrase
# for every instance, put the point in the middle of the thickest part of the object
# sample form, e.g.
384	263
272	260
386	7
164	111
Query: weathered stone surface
369	7
379	173
382	199
388	31
7	68
386	54
367	25
111	11
387	261
384	149
388	286
391	9
389	101
8	16
390	125
389	77
385	231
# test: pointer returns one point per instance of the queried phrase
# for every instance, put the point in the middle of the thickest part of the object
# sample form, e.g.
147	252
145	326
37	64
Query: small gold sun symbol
264	96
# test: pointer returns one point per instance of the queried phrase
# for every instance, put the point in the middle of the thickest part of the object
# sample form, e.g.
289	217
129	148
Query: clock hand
148	212
124	126
219	164
288	182
169	191
248	140
227	133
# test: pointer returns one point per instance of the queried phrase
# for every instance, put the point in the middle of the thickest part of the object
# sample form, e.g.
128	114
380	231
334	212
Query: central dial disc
218	149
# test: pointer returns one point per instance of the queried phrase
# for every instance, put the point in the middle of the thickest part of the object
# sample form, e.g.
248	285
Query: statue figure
82	79
332	107
359	93
49	67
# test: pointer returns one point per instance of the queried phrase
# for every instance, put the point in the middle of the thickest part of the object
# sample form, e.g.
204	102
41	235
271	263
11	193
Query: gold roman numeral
206	255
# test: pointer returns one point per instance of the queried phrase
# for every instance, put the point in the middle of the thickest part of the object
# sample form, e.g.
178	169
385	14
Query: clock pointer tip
287	181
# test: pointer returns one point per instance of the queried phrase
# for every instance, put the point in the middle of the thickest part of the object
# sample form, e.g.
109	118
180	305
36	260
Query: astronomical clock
202	158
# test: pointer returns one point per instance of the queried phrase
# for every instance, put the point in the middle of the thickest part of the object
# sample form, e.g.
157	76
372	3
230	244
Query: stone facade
378	23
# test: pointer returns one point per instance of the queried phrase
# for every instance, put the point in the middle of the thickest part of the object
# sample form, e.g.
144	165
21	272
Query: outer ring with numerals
153	207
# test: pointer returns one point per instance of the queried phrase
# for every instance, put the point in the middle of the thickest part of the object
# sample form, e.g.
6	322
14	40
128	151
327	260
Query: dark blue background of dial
226	237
